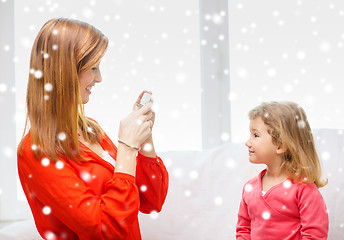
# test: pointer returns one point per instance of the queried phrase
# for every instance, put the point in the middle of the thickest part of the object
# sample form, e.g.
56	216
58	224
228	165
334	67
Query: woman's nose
99	77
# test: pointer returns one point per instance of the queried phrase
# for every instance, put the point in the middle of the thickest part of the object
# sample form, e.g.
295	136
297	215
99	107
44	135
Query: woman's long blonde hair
289	129
62	49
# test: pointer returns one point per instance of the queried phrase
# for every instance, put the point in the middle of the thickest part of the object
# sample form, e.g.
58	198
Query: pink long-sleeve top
287	211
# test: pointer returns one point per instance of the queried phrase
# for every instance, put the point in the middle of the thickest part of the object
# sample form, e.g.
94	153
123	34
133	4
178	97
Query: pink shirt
287	211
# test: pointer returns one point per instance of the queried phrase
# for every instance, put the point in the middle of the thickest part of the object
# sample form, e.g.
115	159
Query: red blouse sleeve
152	181
313	213
54	191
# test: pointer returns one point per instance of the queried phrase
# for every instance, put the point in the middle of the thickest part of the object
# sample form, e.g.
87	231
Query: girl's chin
252	159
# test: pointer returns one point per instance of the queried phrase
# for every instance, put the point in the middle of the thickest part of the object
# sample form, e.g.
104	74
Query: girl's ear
280	149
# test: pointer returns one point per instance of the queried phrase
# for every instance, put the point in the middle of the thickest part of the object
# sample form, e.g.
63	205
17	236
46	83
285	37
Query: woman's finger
146	108
139	98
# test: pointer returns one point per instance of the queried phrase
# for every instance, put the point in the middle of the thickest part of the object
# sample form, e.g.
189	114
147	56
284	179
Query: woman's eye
256	135
94	69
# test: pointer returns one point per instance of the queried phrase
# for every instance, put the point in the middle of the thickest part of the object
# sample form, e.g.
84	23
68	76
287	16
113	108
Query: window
287	50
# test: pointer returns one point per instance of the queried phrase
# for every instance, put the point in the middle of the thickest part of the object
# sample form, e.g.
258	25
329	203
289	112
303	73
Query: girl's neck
274	171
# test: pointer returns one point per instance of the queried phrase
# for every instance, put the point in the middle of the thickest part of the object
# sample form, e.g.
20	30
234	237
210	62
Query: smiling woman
87	80
67	156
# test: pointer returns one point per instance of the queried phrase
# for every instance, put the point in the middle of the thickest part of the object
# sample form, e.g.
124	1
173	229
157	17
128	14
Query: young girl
283	201
66	163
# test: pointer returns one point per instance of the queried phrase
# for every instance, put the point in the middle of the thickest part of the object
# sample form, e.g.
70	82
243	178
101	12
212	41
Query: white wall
154	45
287	50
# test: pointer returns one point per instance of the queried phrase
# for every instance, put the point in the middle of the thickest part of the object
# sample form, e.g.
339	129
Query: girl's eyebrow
254	130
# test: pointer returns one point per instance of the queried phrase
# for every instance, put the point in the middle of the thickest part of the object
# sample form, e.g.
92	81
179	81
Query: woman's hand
137	126
136	106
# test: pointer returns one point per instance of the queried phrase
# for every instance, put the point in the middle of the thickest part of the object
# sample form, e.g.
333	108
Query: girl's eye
94	69
256	135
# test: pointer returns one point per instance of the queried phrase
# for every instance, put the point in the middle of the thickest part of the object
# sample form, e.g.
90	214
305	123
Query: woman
66	163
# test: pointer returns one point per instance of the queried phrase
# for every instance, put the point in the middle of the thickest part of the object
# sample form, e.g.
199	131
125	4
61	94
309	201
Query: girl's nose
248	143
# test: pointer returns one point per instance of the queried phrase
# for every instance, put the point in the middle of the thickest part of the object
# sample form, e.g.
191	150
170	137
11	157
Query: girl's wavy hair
289	129
62	49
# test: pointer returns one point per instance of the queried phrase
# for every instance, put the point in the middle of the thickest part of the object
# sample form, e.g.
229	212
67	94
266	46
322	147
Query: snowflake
45	162
86	176
48	87
49	235
301	124
3	87
187	193
242	73
248	188
59	164
325	156
225	137
328	88
147	147
174	114
218	200
288	88
193	174
271	72
61	136
178	173
287	184
266	215
46	210
38	74
301	55
154	214
325	47
231	164
143	188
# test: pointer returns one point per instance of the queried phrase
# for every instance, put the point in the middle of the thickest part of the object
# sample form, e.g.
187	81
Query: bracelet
132	147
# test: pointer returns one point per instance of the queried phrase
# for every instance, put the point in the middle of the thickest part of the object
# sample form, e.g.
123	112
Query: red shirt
87	200
287	211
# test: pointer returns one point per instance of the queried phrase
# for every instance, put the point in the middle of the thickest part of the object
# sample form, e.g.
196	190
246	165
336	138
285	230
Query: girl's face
260	146
87	80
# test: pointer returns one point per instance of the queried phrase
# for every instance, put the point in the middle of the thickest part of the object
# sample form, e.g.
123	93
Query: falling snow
3	87
62	136
48	87
266	215
287	184
86	176
38	74
45	162
59	164
154	215
148	147
218	200
143	188
46	210
248	188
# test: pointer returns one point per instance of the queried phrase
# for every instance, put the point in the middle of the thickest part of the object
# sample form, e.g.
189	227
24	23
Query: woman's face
87	80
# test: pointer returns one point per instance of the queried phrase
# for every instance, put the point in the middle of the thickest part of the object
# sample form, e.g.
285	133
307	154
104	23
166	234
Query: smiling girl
283	201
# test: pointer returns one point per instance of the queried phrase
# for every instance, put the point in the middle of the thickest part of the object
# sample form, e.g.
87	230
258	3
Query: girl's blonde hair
62	49
290	130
